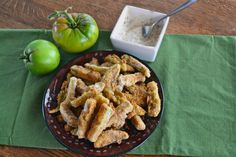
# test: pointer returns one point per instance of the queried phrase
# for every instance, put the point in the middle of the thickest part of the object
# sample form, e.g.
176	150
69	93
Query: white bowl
134	43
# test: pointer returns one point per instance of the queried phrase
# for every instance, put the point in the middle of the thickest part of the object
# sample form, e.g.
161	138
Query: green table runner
198	74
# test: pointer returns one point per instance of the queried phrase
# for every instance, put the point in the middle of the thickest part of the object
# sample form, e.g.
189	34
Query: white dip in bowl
127	33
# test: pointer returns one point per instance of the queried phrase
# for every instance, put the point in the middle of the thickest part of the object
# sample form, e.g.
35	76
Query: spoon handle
178	9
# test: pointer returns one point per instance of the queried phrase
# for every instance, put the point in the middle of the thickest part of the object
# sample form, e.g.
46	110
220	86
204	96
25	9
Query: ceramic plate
82	146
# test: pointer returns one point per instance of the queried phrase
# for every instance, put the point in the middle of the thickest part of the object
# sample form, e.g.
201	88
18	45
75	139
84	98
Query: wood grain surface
204	17
217	17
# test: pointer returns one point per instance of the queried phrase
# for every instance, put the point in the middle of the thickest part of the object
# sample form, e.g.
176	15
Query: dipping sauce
132	31
127	33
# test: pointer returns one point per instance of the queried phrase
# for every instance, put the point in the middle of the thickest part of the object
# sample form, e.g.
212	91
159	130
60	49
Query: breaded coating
107	64
137	110
101	99
109	93
84	73
86	117
109	78
99	123
100	69
113	58
118	119
94	61
74	131
81	99
131	114
63	92
54	110
112	106
153	99
138	89
110	136
71	89
66	113
137	94
116	60
129	80
81	87
136	64
134	99
111	75
68	76
99	86
137	97
138	122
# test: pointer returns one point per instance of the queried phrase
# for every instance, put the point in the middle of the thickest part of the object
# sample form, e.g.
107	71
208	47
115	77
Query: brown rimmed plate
82	146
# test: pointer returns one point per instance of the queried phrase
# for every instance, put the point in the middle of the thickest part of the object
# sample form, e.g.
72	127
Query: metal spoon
147	29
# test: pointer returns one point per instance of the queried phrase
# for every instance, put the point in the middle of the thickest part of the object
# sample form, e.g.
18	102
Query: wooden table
216	17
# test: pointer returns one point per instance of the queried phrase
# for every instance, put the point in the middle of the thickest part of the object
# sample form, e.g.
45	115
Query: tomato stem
22	57
25	56
65	14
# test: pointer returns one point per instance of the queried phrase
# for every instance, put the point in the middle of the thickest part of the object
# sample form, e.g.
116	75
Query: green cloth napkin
198	74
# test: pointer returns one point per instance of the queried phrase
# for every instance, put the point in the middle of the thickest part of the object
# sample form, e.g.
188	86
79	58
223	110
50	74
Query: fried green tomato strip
99	123
129	80
138	122
116	60
65	111
107	64
153	99
136	64
86	74
94	61
86	117
138	110
81	86
82	99
111	75
137	94
101	99
109	78
118	119
110	136
100	69
99	86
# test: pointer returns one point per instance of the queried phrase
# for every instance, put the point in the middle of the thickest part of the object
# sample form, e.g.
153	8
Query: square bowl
127	33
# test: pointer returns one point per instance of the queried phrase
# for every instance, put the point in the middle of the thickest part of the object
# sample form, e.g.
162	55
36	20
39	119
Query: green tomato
41	57
75	32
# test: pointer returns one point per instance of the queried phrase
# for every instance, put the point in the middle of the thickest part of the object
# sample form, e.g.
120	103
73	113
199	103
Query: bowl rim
43	108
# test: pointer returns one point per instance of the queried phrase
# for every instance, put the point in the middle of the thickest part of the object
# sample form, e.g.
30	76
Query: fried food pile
97	99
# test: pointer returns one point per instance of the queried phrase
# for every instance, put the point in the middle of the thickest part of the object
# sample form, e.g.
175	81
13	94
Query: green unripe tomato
41	57
74	32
